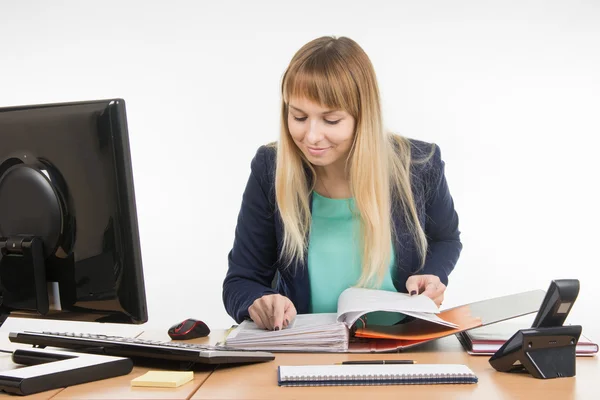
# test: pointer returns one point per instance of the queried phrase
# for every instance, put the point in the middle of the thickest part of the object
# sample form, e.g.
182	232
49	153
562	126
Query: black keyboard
140	348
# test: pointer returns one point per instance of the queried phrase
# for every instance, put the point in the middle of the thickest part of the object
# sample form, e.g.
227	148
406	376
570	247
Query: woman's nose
313	135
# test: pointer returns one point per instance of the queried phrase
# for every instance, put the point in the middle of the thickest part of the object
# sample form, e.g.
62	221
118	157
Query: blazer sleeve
252	260
441	223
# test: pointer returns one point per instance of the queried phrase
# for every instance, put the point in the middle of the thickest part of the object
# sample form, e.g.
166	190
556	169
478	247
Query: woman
337	202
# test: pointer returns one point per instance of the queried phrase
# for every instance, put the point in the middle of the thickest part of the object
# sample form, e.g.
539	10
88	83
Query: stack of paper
308	332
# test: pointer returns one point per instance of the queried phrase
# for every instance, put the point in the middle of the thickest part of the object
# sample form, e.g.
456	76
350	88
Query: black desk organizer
546	350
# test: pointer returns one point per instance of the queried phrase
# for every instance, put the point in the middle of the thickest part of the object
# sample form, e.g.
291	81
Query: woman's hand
272	312
429	285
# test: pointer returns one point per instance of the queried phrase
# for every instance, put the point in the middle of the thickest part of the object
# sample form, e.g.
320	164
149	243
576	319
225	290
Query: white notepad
390	374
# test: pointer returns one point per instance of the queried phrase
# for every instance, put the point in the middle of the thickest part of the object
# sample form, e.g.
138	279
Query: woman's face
324	136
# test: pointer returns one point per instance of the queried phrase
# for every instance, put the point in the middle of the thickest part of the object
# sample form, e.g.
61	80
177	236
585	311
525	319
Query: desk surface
114	388
120	387
259	381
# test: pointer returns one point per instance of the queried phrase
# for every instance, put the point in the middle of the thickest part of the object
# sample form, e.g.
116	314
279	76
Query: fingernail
276	328
413	292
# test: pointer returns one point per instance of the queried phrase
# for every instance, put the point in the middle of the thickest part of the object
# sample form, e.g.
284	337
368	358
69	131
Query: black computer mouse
188	329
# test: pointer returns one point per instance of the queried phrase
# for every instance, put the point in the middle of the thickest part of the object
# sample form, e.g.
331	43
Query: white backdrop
510	90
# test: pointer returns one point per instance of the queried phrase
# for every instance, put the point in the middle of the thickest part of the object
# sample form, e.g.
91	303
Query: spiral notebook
366	375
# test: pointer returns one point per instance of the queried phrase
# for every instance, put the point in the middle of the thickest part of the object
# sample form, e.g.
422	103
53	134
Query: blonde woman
337	202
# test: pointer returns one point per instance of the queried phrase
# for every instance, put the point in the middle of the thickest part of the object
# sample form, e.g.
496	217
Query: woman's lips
317	151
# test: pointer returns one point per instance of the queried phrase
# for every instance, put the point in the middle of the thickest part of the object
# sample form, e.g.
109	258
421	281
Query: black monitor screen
68	225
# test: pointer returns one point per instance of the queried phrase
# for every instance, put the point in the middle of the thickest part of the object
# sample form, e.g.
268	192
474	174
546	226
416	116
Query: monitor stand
54	369
23	287
23	274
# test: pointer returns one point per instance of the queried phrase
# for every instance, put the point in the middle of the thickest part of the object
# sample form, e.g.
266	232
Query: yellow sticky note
170	379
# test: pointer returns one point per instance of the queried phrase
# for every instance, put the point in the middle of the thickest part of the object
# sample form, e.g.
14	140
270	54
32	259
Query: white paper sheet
354	302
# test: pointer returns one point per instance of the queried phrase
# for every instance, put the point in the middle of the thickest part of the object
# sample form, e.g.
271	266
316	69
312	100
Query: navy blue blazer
254	258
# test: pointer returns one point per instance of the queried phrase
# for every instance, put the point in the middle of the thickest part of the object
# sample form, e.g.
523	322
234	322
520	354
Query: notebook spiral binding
377	379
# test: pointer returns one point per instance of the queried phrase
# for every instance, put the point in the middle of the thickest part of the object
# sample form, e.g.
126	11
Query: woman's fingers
413	284
277	311
429	285
290	313
255	316
272	311
261	310
439	299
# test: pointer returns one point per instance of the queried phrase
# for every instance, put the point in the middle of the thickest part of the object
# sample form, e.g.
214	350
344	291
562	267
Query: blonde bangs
322	80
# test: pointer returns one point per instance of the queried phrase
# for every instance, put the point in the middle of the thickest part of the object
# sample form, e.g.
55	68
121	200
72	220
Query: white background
510	90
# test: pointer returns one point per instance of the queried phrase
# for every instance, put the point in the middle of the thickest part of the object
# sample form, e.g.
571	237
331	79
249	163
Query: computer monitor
69	236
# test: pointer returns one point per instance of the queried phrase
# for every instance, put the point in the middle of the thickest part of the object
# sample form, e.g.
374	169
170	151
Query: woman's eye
300	119
331	122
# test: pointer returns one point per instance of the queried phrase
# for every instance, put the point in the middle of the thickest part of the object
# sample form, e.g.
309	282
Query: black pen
379	362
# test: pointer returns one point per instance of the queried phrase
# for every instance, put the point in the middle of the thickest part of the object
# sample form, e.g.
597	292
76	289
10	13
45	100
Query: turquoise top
334	256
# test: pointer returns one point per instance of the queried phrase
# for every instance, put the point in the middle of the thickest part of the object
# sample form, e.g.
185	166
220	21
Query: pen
378	362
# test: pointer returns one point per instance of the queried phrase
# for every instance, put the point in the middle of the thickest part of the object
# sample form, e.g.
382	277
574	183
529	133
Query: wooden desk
114	388
259	381
120	387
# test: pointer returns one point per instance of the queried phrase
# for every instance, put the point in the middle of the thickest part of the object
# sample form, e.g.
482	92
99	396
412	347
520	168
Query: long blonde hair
336	73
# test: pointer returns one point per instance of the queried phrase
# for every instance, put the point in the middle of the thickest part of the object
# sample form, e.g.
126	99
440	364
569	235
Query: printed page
307	332
354	302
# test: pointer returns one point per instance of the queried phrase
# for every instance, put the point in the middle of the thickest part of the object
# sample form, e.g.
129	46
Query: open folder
347	330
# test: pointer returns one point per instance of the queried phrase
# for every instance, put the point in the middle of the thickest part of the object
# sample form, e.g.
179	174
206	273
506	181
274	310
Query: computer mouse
188	329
